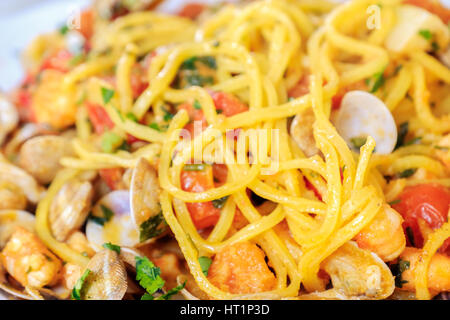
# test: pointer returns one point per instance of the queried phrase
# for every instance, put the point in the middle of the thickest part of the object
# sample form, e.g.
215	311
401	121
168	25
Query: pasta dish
273	149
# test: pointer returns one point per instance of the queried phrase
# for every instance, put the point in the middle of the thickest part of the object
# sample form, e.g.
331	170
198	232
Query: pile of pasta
327	215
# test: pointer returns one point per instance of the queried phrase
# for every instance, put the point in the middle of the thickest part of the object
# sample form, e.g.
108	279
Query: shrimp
384	235
241	268
29	261
50	104
438	271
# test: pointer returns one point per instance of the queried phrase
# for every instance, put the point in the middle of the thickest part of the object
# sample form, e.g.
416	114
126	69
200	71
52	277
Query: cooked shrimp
438	271
70	275
384	235
29	261
50	104
78	242
241	268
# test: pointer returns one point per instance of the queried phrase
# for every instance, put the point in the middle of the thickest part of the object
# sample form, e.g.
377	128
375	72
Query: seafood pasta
277	149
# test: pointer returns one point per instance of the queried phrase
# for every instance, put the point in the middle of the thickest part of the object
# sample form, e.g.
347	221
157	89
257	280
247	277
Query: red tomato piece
192	10
429	202
112	177
229	104
203	214
59	60
99	118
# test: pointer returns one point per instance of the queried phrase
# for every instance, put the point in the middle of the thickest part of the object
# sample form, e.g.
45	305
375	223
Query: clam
302	132
361	115
10	220
144	196
9	118
24	133
40	156
107	279
25	182
11	197
111	221
358	273
70	208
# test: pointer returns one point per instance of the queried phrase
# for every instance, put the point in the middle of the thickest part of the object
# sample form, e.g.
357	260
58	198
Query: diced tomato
87	23
229	104
203	214
99	118
336	101
432	6
194	115
428	202
138	85
112	177
220	174
60	61
192	10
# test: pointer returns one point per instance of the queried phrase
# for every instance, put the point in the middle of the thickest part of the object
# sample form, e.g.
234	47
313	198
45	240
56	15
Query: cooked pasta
279	146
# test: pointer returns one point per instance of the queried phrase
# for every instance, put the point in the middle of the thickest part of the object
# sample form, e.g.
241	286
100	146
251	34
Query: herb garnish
107	95
76	291
149	229
111	247
205	263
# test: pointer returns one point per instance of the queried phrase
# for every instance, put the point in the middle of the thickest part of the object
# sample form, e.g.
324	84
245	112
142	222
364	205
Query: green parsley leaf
199	80
107	95
64	29
167	115
110	142
407	173
397	270
76	291
358	142
426	34
394	202
170	293
197	105
107	215
219	203
402	132
205	263
435	46
112	247
154	126
376	82
131	116
151	228
412	141
148	275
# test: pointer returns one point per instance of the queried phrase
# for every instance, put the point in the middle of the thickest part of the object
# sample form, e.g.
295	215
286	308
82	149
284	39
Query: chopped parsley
426	34
376	82
197	105
131	116
219	203
110	142
149	277
358	142
150	228
397	270
107	95
205	263
199	80
402	132
167	115
112	247
154	126
189	64
442	148
412	141
407	173
107	215
64	29
76	291
394	202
